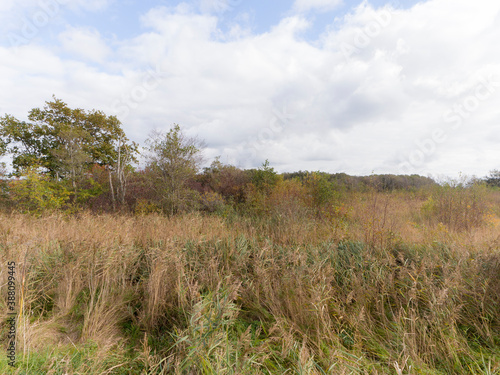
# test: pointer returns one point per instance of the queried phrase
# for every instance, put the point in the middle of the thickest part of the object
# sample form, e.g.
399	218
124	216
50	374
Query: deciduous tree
65	143
173	159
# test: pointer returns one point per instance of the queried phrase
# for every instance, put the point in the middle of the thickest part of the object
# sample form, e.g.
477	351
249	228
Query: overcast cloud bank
383	90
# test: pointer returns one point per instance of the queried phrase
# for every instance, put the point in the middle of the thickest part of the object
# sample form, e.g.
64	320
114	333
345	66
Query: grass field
380	283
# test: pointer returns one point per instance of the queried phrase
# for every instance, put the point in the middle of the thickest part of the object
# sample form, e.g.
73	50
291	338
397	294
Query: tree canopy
173	160
65	145
64	141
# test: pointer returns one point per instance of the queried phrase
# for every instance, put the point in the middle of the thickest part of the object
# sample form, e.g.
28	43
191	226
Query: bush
226	180
319	190
211	201
265	177
35	192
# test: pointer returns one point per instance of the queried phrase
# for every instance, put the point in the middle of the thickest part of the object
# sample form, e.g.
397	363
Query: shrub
144	207
265	177
319	189
211	201
226	180
35	192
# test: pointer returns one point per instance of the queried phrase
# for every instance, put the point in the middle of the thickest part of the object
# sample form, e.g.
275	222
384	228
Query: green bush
37	193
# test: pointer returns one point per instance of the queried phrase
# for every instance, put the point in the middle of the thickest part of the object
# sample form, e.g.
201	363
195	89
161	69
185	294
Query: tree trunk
113	201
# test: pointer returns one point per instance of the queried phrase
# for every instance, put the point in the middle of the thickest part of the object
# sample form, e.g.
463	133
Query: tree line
72	159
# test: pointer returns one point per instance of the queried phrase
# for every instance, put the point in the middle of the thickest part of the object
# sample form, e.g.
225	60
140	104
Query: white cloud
359	112
30	21
84	43
318	5
180	24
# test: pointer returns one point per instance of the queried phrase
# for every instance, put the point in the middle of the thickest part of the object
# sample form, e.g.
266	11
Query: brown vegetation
369	283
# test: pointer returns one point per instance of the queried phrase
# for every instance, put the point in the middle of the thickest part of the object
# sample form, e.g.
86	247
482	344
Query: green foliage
90	189
212	344
319	189
4	185
494	178
62	139
265	178
144	207
172	153
36	192
173	161
66	144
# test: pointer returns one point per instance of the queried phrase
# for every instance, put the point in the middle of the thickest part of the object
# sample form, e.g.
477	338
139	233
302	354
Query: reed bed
380	285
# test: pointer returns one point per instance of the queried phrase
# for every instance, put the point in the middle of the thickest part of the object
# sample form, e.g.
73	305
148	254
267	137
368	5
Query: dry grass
372	285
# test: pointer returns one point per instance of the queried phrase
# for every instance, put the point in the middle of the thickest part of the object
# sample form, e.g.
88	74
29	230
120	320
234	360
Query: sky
360	87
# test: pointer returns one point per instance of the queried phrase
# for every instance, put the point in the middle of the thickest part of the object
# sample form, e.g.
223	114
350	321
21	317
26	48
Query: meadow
371	282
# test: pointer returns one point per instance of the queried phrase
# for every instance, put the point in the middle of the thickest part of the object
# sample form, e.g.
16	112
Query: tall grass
383	286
